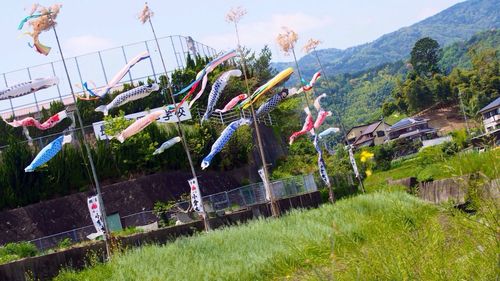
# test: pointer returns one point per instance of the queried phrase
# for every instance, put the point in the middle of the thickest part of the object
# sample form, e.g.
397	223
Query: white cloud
257	34
79	45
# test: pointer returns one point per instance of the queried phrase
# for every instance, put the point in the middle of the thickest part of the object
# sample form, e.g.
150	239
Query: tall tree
425	56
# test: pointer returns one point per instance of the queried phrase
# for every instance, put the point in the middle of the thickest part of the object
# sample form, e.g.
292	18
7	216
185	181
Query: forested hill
458	22
359	96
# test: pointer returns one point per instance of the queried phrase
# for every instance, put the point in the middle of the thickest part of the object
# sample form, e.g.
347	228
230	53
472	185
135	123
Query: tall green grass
388	236
434	166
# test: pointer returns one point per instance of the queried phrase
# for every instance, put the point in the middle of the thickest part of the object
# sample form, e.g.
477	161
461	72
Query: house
367	135
491	116
491	122
411	128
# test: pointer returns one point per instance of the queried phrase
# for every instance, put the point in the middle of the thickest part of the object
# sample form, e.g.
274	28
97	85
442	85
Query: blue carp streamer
48	152
222	140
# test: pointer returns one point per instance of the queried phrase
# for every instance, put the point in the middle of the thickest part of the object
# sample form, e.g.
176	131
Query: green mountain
456	23
359	96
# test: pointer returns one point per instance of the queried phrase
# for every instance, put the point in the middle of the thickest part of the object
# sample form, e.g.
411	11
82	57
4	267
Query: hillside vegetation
390	236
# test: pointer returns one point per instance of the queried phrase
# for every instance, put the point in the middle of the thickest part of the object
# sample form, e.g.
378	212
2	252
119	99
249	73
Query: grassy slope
426	166
377	236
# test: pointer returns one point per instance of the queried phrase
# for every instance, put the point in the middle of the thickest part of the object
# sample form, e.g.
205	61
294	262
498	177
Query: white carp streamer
128	96
216	91
28	87
166	145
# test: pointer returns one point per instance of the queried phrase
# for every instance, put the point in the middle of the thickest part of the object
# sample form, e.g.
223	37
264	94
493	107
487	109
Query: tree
425	56
418	96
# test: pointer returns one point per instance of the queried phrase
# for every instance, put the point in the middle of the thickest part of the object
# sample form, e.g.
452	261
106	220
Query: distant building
491	116
367	135
411	128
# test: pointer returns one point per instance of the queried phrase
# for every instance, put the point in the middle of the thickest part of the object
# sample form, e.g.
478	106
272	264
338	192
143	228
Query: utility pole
463	112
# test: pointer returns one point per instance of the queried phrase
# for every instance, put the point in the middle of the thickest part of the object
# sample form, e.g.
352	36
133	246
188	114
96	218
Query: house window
380	134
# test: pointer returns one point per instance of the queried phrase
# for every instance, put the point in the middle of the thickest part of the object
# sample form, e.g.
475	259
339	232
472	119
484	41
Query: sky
87	26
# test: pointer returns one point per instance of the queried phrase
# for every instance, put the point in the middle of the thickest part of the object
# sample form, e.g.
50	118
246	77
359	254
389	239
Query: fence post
151	61
34	93
57	85
227	199
126	61
102	66
175	52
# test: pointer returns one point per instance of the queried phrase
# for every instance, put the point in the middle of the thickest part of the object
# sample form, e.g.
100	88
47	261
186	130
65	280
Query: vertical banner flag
353	162
95	214
261	174
196	200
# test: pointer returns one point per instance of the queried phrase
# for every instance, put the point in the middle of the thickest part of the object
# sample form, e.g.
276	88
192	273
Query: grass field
378	236
433	166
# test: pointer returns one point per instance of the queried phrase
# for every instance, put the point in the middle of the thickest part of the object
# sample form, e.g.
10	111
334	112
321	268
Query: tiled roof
371	128
492	105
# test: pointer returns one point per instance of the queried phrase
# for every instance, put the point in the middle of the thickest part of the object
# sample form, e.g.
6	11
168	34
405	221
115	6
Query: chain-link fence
98	68
233	200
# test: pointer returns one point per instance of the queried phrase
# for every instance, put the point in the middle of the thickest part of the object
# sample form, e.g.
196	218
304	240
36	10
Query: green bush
64	243
14	251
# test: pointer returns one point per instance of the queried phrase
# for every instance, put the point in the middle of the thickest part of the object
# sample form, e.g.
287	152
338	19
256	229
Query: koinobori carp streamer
139	125
48	152
321	163
166	145
232	103
216	91
32	122
279	78
222	140
28	87
328	131
307	127
118	76
311	83
271	104
202	76
128	96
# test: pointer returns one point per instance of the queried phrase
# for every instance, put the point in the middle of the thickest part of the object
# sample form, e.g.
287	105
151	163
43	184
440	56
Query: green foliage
383	155
377	236
424	56
128	231
64	243
14	251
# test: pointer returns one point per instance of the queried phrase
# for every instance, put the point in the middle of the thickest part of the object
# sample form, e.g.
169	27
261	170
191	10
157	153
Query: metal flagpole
275	211
89	155
179	128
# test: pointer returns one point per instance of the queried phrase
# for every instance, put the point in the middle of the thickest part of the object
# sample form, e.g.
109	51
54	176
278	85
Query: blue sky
86	26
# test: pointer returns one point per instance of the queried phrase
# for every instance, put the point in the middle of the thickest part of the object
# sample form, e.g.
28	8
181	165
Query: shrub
14	251
64	243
